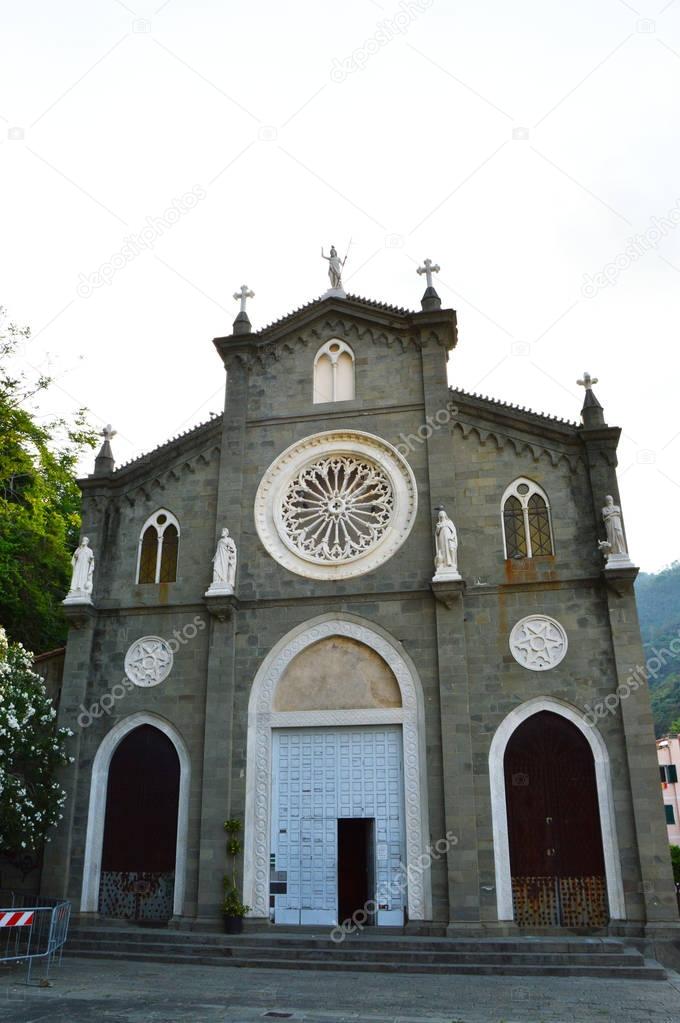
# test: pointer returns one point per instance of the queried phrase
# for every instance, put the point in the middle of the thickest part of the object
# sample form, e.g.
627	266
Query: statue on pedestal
335	265
446	547
80	591
224	565
614	547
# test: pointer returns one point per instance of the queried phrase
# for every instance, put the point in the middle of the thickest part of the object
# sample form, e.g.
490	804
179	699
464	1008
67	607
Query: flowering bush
31	750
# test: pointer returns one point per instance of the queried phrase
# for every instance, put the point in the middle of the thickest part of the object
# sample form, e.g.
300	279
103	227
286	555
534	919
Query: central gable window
334	372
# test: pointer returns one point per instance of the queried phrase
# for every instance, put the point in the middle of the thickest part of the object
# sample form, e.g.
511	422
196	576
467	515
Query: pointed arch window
527	529
334	372
158	549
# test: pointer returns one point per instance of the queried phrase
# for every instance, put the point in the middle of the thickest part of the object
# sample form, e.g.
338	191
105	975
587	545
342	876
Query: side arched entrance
135	847
140	831
556	855
555	844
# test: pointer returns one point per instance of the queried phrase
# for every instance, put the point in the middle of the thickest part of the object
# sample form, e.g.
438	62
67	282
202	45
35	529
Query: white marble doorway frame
262	719
94	841
605	798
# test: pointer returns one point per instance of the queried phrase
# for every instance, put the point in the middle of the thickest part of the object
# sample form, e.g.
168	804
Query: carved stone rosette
336	505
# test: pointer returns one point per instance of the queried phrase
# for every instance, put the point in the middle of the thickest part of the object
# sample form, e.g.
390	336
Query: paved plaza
88	991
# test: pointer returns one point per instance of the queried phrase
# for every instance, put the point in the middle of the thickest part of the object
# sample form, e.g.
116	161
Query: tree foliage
39	502
658	597
31	751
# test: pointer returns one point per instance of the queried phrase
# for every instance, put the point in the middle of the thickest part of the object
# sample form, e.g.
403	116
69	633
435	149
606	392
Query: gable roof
362	304
483	403
165	452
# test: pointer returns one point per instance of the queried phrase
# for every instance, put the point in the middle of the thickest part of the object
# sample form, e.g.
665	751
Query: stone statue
446	547
611	513
335	265
614	547
224	565
83	572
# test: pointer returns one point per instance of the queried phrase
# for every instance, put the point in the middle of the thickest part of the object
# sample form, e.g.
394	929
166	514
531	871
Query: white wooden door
318	776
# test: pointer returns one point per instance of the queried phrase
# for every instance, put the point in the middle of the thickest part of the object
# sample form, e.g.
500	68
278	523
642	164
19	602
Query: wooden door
140	831
556	857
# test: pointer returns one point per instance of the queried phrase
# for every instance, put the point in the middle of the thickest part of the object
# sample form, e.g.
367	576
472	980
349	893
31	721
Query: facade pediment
353	319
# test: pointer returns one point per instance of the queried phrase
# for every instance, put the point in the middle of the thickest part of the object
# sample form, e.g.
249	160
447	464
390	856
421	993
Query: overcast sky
521	146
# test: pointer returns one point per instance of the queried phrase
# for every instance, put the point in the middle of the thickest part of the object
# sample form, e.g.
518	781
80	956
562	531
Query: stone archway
94	840
263	718
605	802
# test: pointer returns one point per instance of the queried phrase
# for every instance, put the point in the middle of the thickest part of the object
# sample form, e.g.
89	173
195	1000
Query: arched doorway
351	686
557	860
140	832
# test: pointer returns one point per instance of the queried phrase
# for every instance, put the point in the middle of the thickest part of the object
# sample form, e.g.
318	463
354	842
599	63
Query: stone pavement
87	991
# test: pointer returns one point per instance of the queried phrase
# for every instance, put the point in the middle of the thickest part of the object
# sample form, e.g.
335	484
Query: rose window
337	508
336	504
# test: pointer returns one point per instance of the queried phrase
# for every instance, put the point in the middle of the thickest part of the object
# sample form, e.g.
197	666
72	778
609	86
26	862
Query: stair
518	957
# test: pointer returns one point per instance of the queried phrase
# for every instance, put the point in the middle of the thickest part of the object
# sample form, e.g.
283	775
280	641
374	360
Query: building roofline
357	300
195	432
49	653
486	403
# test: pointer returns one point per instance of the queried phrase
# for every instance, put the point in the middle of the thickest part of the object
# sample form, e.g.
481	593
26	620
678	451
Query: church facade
380	626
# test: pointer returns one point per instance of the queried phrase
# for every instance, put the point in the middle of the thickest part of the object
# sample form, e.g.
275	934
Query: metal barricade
32	928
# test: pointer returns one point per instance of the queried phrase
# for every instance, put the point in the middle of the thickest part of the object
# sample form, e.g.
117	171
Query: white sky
124	107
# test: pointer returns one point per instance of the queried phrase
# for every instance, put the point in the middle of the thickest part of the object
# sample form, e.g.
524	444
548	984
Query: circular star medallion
148	662
538	642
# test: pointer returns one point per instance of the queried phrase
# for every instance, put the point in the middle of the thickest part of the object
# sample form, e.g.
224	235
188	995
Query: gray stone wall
470	680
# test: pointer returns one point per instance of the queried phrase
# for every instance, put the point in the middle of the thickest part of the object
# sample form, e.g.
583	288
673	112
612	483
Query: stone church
386	625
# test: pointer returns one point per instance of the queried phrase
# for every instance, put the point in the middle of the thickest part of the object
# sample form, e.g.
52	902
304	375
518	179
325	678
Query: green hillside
659	608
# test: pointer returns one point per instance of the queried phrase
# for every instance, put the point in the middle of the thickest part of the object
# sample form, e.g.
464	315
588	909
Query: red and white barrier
16	919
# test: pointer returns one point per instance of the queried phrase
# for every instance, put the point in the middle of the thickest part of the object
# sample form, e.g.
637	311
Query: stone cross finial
108	433
587	381
428	269
244	294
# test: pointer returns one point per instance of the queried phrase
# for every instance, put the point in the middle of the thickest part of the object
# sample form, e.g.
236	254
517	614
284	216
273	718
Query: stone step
566	946
641	970
354	954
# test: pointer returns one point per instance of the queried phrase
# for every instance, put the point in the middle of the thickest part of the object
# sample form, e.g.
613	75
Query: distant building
668	752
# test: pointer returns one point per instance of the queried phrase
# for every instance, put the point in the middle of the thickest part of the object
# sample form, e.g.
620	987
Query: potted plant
234	910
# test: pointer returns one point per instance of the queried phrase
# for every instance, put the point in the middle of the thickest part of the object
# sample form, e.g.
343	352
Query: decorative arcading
258	843
262	355
500	439
173	474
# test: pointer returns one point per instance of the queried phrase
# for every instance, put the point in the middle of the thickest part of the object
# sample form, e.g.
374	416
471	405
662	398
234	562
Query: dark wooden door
355	865
140	831
556	857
